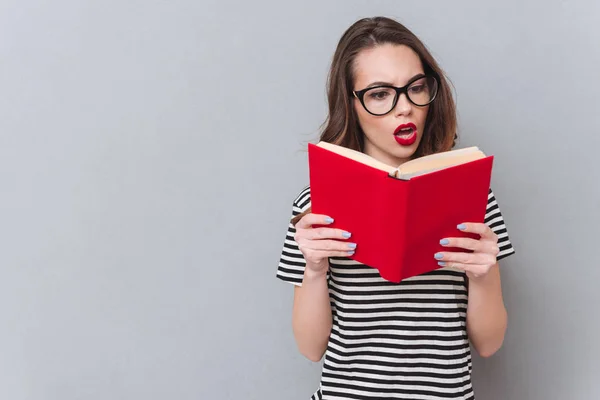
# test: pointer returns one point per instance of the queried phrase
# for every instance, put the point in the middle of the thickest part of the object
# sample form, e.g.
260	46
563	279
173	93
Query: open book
415	167
398	214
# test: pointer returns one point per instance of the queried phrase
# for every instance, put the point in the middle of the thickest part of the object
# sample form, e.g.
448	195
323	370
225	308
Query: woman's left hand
484	251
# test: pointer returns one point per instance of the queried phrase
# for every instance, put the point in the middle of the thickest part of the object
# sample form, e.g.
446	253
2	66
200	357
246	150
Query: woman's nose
403	105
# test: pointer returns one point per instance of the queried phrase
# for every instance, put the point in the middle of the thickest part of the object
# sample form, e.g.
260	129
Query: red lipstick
406	134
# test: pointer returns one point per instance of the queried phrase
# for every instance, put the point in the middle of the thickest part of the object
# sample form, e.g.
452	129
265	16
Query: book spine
394	218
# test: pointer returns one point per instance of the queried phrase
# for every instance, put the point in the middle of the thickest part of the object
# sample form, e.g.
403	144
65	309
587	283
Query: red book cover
397	224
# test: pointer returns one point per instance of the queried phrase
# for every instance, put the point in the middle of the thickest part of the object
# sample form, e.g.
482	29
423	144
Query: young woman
389	98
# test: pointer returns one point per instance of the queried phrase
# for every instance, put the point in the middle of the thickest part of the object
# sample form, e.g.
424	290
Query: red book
398	215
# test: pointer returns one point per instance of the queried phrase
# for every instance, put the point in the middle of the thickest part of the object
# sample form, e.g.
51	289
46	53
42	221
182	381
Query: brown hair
342	127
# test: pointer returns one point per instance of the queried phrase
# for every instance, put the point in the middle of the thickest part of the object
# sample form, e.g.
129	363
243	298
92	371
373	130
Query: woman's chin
391	153
404	153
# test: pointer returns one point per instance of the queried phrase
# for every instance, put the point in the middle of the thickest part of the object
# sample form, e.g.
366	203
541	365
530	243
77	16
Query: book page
358	156
435	162
418	166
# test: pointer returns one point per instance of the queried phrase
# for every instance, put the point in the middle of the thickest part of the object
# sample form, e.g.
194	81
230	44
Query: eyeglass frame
359	94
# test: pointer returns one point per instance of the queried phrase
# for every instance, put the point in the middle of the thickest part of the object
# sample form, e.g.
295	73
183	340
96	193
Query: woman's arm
486	314
311	317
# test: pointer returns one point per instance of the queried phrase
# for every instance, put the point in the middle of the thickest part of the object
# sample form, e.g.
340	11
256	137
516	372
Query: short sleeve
291	262
494	219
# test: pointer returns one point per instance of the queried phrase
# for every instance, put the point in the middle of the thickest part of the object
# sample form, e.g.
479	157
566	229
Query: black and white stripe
404	340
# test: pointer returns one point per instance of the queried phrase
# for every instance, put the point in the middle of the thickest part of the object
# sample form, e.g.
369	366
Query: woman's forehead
395	64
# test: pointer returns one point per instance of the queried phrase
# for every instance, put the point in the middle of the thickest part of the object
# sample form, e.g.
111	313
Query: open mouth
406	134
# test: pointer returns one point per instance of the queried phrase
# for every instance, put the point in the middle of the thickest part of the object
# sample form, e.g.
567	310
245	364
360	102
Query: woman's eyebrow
382	83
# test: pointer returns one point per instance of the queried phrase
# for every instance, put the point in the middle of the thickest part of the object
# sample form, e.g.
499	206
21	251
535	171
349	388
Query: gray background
150	152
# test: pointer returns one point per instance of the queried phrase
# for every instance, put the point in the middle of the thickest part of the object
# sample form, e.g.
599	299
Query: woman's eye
417	88
379	95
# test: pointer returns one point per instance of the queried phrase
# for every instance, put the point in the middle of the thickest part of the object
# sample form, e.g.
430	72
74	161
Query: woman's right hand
318	244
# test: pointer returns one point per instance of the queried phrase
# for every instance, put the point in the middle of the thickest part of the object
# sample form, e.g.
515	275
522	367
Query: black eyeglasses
380	100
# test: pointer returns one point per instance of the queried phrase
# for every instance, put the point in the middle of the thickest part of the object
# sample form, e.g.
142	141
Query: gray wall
150	151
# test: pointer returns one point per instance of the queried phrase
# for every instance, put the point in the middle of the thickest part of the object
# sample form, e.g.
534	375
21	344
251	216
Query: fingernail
439	256
462	227
350	253
329	220
352	245
444	241
441	263
346	234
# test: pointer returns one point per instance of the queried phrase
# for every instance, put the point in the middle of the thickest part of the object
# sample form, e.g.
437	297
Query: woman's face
392	65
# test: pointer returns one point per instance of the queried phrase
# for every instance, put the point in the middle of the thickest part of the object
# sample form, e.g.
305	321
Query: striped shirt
404	340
